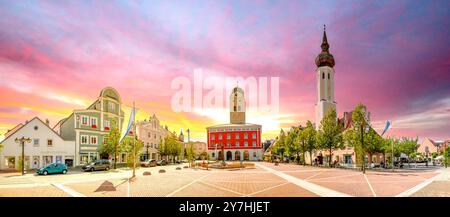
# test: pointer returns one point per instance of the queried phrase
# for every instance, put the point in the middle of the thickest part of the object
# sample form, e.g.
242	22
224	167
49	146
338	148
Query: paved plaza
264	180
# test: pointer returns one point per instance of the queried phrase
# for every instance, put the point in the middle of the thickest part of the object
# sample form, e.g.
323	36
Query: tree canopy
329	136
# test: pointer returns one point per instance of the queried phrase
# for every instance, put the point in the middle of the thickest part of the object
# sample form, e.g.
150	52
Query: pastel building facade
199	148
46	146
88	128
152	133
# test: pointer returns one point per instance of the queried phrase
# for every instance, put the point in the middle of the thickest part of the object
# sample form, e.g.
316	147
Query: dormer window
323	75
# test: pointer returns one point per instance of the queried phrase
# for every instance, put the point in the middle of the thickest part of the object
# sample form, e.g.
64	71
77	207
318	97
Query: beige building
429	146
199	148
151	132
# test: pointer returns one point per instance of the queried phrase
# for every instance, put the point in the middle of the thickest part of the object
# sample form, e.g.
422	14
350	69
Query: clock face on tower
237	106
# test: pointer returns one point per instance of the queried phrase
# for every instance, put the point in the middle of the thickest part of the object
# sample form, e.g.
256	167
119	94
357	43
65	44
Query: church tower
325	80
237	106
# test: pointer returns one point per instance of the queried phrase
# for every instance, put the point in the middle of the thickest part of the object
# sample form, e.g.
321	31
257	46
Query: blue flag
130	124
388	124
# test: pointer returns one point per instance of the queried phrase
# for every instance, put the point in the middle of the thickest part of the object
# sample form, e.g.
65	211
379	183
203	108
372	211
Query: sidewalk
439	187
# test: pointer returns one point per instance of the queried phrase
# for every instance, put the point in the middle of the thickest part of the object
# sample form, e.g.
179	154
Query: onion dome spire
325	58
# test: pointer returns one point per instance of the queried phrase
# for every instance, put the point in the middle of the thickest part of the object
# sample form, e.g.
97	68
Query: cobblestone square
265	180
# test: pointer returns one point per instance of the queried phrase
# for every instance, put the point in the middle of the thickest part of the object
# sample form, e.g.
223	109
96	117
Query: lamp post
364	128
22	142
392	142
223	153
215	150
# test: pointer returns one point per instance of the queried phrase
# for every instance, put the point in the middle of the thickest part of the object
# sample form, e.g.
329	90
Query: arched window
328	75
323	75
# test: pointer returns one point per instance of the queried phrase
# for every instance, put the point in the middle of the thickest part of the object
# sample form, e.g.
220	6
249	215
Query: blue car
53	168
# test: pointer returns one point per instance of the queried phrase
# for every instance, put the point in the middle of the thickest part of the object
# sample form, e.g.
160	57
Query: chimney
47	122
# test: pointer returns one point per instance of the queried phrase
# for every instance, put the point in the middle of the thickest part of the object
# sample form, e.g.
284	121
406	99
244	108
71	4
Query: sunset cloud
392	56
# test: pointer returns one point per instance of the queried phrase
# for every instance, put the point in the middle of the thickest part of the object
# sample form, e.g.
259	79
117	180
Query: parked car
53	168
161	163
185	161
97	165
148	163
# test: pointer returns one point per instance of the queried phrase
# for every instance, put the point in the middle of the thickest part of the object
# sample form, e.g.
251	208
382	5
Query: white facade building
325	81
46	147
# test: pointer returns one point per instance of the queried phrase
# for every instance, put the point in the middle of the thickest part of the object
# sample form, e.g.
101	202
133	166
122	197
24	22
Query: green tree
112	146
291	143
204	155
190	154
309	134
408	145
446	156
171	147
132	147
385	147
329	136
280	147
362	137
300	144
162	148
434	154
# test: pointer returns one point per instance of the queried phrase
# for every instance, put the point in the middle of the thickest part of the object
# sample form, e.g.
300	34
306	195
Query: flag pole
134	141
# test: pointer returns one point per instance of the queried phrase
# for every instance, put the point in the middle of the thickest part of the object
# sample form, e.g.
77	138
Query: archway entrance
237	155
229	155
246	155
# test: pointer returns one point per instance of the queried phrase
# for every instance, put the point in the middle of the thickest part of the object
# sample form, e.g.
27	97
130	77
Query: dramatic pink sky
392	56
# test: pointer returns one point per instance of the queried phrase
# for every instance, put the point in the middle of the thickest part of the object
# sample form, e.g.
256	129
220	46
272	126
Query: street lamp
215	150
364	128
392	145
22	142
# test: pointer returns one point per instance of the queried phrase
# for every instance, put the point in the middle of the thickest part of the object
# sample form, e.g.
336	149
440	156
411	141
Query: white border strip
316	189
68	190
416	188
370	186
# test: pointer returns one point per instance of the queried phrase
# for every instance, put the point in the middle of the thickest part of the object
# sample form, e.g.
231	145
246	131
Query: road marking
334	177
68	190
370	186
416	188
266	189
187	185
224	189
316	189
303	171
310	177
128	191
